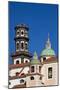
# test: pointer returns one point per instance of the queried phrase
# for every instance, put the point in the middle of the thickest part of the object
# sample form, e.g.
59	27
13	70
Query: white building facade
28	71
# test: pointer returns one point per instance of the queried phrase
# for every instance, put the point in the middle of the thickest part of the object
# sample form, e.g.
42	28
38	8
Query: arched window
22	45
26	46
9	83
40	77
21	81
17	33
26	61
17	62
32	78
32	68
44	58
22	32
39	68
17	46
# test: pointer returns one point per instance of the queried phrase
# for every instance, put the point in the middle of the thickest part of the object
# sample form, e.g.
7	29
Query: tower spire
48	43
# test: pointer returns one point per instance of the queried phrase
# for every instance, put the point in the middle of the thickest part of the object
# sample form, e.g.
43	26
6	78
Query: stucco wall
44	71
35	82
15	82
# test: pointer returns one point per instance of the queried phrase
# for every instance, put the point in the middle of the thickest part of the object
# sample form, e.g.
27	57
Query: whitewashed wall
44	71
35	82
15	82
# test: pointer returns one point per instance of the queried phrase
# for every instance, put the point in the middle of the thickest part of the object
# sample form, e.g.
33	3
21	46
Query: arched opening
17	33
22	45
17	46
26	61
17	62
22	32
26	46
9	83
32	78
39	68
40	77
44	58
32	68
21	81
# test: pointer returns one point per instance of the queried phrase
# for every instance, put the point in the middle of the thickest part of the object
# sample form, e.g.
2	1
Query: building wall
33	83
16	82
44	72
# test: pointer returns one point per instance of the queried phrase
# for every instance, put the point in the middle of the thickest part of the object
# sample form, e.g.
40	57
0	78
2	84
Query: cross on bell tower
21	38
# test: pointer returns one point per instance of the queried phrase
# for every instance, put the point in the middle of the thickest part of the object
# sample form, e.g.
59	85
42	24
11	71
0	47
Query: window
32	78
39	68
26	61
21	81
22	45
40	77
17	33
49	72
22	32
26	33
26	46
32	68
17	46
17	62
44	58
9	83
17	73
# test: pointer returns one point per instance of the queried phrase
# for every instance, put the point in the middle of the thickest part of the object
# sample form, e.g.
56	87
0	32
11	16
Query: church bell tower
21	44
21	39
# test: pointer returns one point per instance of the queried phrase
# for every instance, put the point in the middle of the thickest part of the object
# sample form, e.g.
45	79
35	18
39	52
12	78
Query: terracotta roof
21	53
50	60
18	65
23	76
20	86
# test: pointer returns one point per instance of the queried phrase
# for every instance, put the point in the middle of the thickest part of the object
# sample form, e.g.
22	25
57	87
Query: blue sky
41	19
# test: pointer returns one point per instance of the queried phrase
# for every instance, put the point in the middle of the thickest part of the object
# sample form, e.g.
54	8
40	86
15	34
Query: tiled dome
48	52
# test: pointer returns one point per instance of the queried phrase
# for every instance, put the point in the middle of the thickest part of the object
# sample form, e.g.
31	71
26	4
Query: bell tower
21	54
21	38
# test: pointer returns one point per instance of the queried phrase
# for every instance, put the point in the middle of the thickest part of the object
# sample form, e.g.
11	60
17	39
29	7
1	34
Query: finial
48	44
